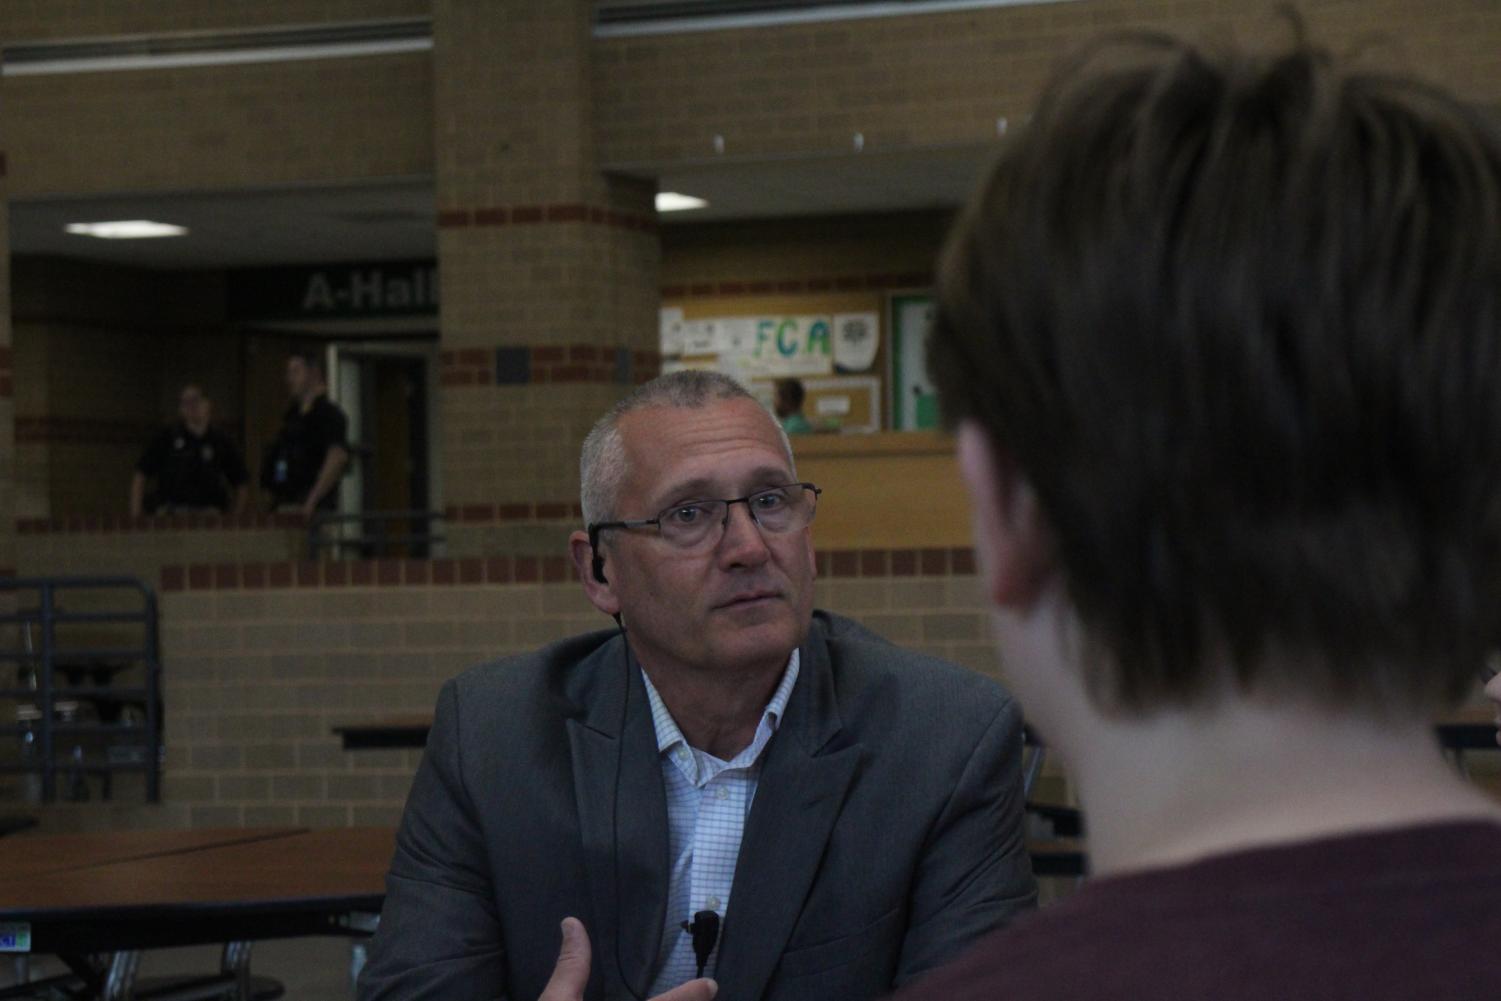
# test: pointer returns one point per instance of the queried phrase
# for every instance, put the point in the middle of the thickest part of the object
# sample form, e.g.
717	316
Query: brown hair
1237	319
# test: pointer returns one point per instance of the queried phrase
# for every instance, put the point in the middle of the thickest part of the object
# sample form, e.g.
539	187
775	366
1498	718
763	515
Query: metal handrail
47	659
316	541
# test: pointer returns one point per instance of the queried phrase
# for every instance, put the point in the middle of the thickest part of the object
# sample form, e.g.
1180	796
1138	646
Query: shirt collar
668	734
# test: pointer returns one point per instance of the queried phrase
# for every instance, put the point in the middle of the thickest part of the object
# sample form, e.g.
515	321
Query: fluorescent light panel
126	229
672	201
624	20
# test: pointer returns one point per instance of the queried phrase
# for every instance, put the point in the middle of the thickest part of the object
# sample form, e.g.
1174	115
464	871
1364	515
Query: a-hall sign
335	291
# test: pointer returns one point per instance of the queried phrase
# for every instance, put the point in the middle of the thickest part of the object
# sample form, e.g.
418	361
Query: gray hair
602	465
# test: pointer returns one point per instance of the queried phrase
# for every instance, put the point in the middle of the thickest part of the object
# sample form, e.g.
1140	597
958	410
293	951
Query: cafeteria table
269	883
29	856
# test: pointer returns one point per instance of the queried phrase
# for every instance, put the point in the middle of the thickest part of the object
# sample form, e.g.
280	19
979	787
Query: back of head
1236	317
602	462
790	394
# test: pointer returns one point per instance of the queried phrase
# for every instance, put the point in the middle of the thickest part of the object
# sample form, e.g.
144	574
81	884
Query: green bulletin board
914	404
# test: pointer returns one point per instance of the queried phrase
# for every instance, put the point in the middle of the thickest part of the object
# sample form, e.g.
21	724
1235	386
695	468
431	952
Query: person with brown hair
1221	337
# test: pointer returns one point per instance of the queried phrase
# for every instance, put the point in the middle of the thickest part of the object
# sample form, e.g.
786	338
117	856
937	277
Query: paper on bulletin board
856	339
735	335
700	337
791	345
670	329
741	368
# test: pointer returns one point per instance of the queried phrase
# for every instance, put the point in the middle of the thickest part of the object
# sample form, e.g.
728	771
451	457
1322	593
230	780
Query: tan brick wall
249	126
781	250
521	443
538	251
255	680
98	546
943	78
903	82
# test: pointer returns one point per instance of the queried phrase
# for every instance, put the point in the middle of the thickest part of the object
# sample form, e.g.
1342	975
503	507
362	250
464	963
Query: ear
1012	546
601	595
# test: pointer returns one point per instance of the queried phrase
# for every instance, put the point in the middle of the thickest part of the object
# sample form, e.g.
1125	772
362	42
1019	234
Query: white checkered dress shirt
707	803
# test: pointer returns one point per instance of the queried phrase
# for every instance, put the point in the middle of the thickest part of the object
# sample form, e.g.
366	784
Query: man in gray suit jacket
830	816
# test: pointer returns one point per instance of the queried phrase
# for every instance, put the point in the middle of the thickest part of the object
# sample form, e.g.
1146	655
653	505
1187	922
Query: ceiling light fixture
126	229
671	201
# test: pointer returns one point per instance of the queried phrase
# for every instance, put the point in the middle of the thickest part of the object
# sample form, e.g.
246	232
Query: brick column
549	270
7	394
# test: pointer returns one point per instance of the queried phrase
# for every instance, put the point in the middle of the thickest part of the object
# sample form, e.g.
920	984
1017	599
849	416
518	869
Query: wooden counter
890	490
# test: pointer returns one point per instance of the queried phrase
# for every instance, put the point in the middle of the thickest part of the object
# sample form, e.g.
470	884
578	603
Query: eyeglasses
696	523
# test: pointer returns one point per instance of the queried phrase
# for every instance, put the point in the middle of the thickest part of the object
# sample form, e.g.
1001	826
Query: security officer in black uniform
195	465
303	465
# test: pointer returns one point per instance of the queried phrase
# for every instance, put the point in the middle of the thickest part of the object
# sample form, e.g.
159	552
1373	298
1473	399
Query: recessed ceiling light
126	229
671	201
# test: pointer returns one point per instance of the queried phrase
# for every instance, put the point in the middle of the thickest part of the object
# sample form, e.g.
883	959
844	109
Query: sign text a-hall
386	288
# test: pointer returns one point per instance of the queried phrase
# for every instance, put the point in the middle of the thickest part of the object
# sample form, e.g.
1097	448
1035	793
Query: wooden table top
307	868
36	854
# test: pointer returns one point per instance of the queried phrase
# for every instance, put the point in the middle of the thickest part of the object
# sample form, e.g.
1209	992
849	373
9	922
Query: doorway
385	388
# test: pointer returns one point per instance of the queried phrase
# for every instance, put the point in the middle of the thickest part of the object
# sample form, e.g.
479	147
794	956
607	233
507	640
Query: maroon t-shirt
1411	913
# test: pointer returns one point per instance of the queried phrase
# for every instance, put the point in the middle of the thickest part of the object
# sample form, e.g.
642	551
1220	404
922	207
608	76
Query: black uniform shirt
192	471
292	463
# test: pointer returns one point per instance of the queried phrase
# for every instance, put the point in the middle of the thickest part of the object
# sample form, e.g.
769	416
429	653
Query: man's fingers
694	990
571	974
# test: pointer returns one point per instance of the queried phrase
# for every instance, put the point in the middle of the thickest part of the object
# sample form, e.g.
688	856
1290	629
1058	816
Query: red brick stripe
549	363
521	511
448	572
165	523
537	215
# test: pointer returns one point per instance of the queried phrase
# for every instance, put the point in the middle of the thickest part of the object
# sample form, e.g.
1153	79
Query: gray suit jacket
884	838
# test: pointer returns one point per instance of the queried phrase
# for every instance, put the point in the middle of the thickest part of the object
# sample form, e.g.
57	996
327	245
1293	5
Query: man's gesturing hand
571	975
